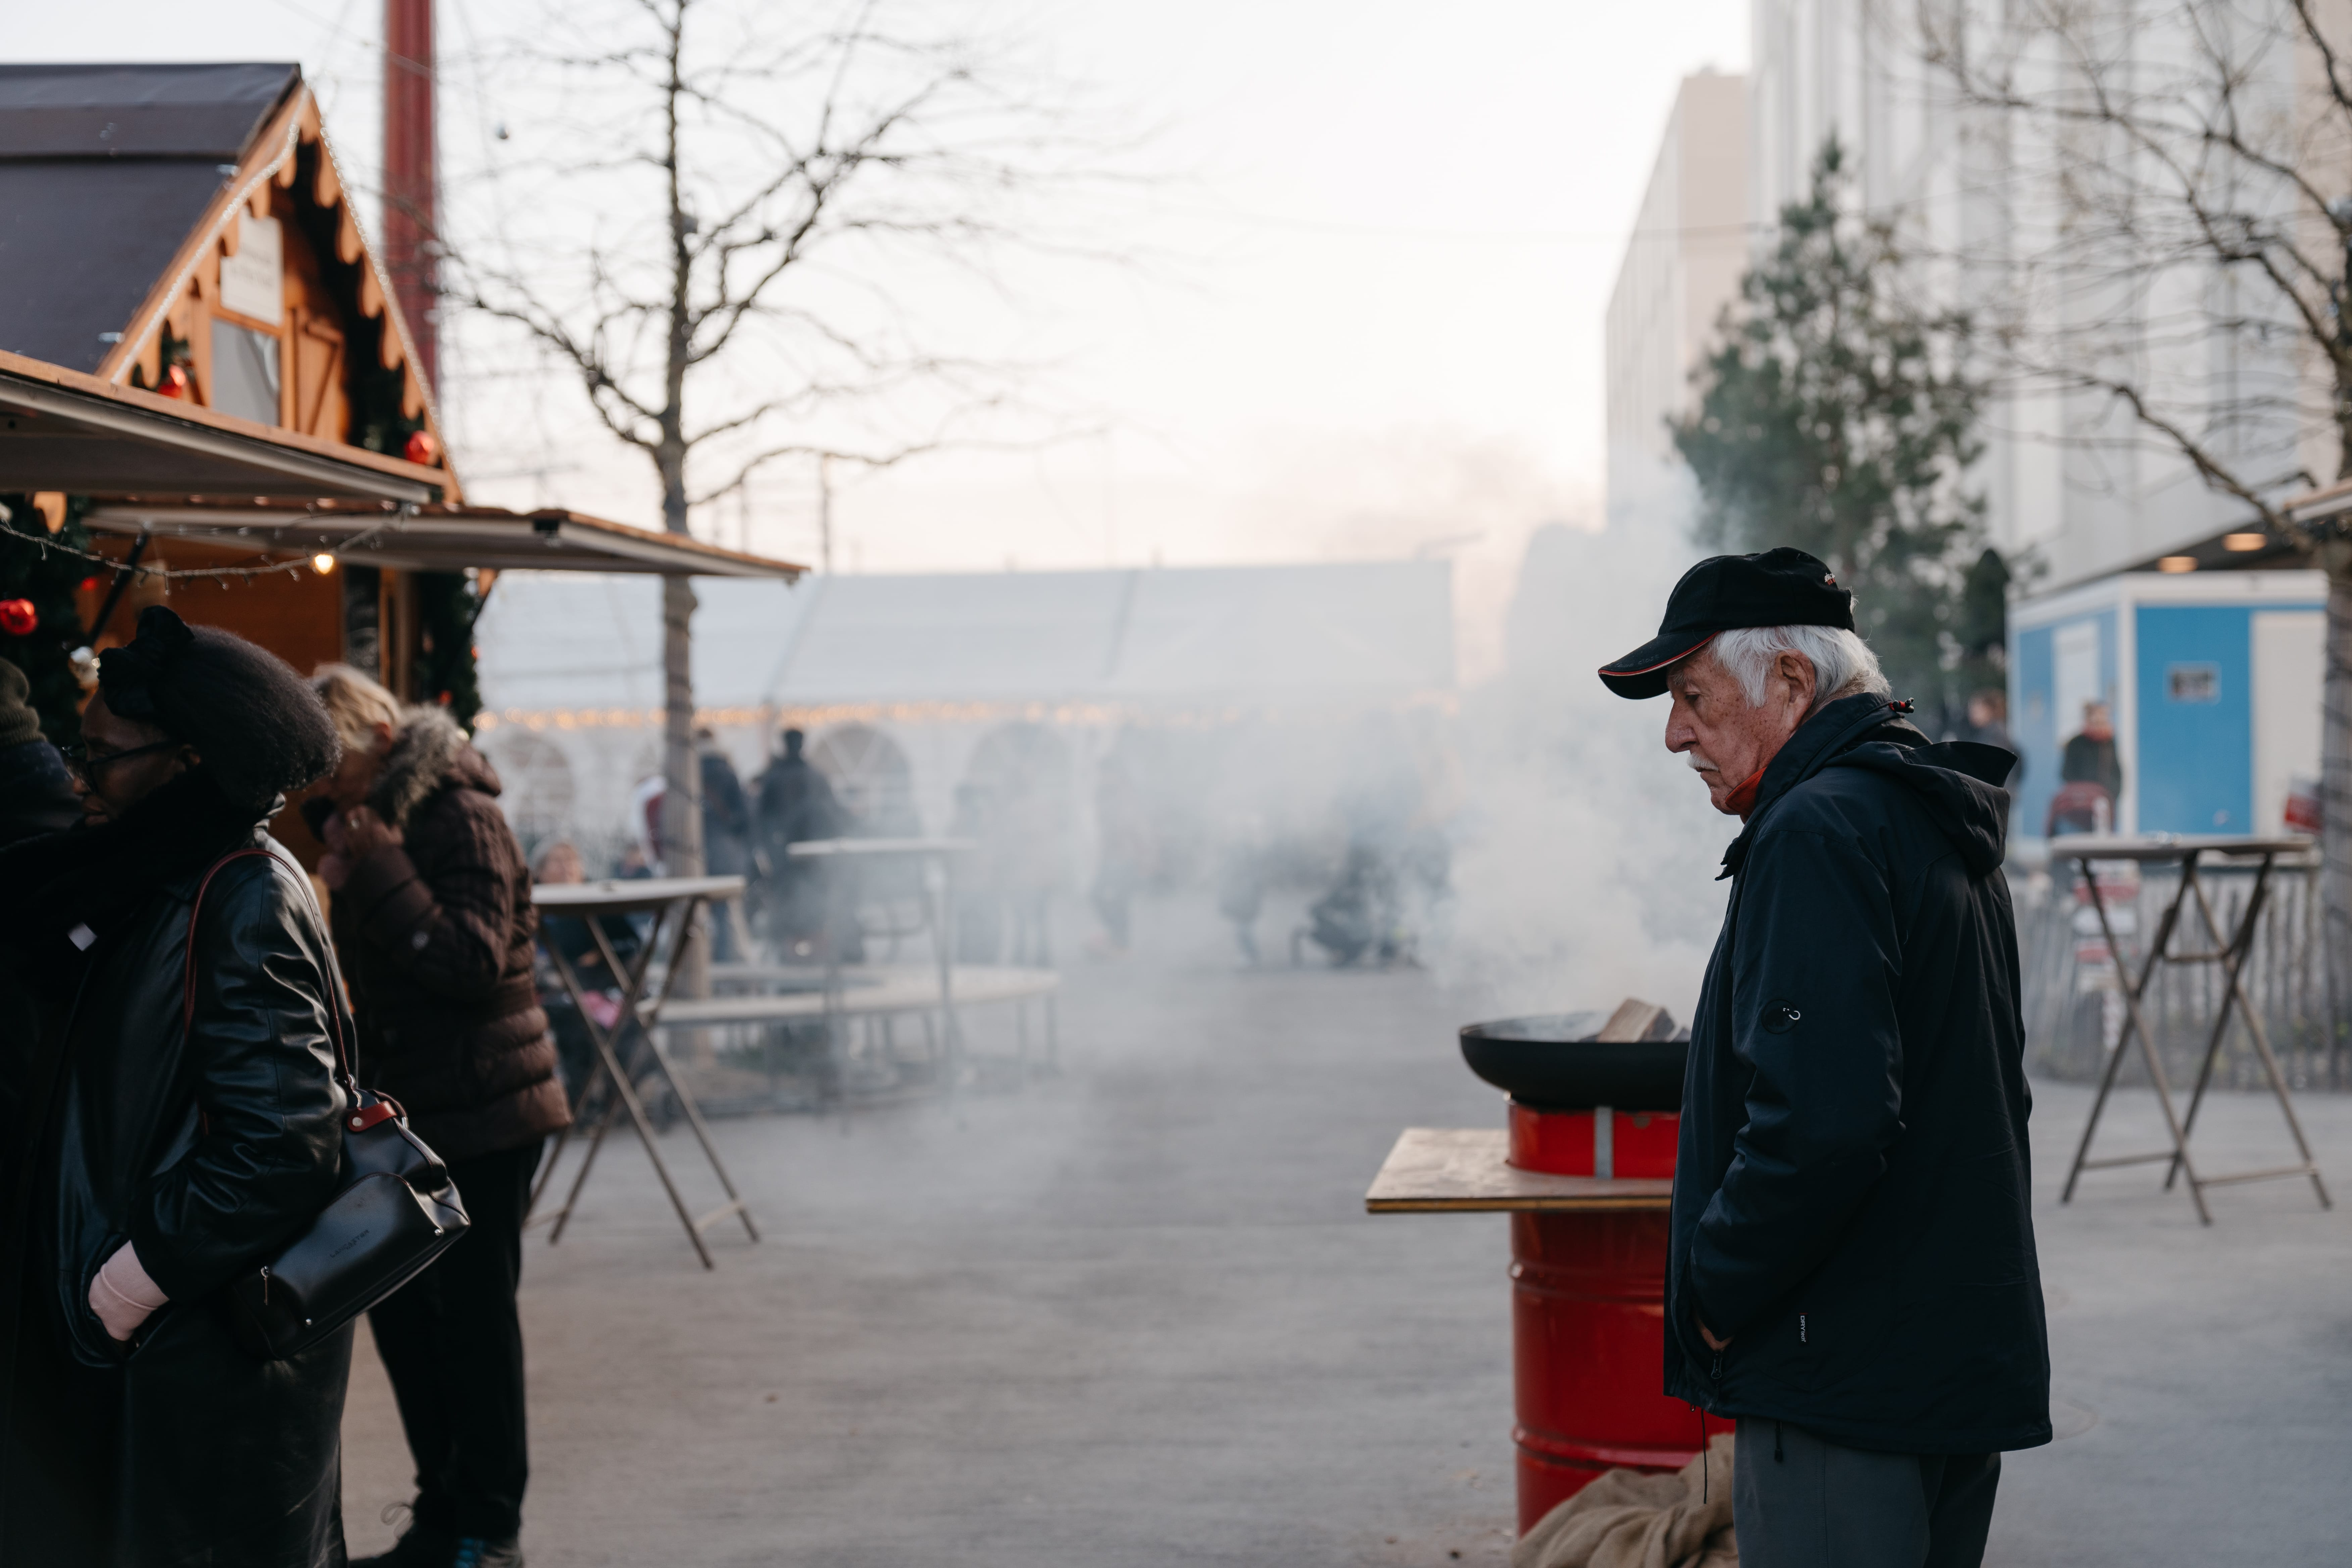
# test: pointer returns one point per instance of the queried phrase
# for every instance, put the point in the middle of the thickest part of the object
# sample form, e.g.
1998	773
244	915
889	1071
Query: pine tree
1836	417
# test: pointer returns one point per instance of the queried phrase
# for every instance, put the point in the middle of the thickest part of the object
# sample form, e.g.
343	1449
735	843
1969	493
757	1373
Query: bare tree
2173	266
709	225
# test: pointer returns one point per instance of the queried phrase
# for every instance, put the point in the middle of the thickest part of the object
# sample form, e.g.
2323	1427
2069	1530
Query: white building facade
2001	219
1682	267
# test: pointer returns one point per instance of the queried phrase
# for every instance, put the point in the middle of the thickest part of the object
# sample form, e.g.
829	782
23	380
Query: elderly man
1852	1273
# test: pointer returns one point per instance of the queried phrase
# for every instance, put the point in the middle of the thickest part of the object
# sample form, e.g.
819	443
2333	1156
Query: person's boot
419	1546
424	1548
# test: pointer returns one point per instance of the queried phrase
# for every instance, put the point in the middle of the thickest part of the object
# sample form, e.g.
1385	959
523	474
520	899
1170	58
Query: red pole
411	174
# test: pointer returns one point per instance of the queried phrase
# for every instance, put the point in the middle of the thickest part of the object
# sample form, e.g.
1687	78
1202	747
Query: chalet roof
104	170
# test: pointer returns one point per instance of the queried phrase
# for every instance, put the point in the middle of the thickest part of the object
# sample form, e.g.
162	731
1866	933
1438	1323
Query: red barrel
1587	1316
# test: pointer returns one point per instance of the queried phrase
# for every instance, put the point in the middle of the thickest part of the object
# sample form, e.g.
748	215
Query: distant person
434	922
1123	838
36	793
2089	757
978	876
2091	777
795	805
1851	1269
174	1145
726	835
1988	725
646	822
1241	888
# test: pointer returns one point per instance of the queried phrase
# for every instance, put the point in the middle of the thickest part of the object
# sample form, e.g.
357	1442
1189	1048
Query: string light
321	564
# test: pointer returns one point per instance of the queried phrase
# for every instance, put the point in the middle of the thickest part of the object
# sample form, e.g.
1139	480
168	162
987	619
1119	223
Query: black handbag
396	1211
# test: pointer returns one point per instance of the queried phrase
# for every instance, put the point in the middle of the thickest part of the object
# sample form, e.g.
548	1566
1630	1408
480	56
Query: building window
2193	682
244	373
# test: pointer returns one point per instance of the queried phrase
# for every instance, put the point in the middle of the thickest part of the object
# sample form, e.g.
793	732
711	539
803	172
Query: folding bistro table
2230	952
672	901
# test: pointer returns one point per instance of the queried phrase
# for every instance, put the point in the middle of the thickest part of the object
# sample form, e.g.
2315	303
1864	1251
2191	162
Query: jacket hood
429	753
1958	781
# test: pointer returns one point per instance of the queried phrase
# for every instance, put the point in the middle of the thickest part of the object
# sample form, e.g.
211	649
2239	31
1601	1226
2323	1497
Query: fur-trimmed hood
429	753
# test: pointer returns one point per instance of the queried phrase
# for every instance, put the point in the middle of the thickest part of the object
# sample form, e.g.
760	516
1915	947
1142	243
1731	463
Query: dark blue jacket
1852	1187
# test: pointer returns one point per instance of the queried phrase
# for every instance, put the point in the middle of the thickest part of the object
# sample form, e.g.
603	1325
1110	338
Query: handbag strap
188	988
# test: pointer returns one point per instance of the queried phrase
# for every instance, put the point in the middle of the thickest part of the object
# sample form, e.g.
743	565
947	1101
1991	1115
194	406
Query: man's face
110	779
2096	723
1727	741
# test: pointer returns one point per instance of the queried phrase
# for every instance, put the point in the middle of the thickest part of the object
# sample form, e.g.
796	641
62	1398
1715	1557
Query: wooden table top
1463	1170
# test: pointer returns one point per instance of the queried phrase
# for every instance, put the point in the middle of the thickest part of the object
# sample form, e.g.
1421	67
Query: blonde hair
356	704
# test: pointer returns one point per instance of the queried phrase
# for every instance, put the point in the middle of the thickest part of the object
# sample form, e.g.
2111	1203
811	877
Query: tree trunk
2335	791
681	768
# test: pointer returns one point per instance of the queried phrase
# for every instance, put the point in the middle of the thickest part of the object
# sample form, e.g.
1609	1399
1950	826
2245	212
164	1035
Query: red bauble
19	618
422	447
174	382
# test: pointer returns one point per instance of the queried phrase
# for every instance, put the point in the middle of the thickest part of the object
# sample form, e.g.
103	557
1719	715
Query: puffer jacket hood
429	753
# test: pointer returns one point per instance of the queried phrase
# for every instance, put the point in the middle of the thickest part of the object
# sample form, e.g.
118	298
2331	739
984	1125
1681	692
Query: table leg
2234	969
945	935
2135	1025
2229	950
634	977
678	919
604	1121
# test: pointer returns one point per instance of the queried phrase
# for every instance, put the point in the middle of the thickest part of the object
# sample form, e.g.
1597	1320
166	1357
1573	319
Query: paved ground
1136	1314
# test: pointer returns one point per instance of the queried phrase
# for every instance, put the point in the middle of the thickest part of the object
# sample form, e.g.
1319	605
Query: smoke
1584	866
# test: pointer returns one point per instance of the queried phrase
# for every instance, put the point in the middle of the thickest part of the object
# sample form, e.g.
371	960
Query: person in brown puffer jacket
431	915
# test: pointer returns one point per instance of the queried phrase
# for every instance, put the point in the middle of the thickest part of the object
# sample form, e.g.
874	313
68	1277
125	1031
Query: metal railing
2074	1008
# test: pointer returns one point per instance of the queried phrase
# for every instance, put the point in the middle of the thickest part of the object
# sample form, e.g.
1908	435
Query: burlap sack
1628	1519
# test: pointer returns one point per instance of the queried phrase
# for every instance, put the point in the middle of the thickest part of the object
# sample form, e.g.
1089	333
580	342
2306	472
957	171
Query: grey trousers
1799	1502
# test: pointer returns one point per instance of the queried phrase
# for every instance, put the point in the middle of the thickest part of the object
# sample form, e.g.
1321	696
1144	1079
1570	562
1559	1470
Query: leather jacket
208	1149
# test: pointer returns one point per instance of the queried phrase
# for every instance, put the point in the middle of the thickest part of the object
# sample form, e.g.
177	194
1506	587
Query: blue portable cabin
2211	671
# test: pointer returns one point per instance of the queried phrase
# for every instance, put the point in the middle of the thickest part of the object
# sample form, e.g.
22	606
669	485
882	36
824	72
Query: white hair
1843	663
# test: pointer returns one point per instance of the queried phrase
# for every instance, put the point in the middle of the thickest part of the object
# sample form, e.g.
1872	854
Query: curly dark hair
259	726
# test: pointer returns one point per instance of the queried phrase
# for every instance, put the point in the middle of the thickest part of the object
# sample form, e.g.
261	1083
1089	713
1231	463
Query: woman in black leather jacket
159	1164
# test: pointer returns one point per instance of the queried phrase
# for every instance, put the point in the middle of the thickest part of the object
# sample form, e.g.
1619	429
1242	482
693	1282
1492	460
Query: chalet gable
185	230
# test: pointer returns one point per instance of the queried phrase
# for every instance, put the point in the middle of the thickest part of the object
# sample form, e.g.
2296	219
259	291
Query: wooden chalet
202	359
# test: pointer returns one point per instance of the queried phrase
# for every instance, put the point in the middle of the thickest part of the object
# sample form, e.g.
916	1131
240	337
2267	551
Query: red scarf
1743	799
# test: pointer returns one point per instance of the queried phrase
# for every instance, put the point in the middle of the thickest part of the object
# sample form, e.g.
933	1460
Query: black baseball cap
1781	587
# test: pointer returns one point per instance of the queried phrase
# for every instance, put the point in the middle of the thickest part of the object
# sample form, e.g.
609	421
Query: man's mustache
1699	763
